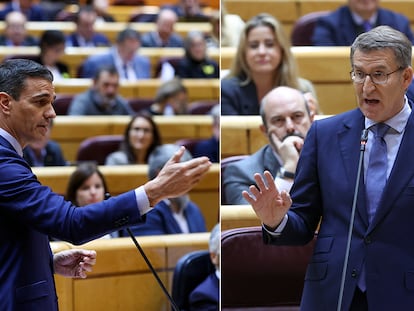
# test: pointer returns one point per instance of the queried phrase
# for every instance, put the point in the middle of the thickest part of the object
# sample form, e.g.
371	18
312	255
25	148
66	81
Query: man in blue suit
342	26
174	214
379	274
30	212
123	56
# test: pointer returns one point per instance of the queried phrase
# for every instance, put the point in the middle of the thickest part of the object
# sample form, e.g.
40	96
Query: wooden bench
75	56
70	131
237	216
327	67
121	279
123	178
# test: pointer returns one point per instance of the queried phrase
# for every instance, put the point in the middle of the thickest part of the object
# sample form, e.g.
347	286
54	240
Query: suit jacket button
354	273
367	240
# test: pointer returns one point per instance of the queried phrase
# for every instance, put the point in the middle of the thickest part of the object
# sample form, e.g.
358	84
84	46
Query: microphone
364	139
172	302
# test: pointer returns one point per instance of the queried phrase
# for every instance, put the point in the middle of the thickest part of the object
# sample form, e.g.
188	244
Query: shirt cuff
142	200
283	184
279	228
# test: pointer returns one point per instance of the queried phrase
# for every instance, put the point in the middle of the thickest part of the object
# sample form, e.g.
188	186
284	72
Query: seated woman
171	99
262	62
52	48
141	136
196	64
87	185
172	215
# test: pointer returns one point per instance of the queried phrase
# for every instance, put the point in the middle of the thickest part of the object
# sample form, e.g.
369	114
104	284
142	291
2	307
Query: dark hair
105	68
78	177
51	38
125	144
15	72
128	33
84	9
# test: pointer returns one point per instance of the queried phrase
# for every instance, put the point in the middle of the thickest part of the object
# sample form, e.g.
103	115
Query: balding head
15	29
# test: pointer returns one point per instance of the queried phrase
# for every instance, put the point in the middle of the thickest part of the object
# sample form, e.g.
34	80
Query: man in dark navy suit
30	212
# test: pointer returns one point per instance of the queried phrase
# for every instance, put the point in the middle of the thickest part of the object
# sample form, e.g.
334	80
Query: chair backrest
173	60
201	107
97	148
302	30
62	103
223	164
188	143
138	104
256	275
190	270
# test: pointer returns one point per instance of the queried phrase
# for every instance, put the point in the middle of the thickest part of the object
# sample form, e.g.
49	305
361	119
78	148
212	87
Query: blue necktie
376	179
377	168
367	26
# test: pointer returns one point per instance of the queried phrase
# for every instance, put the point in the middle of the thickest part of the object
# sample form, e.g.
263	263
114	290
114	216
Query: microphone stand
364	139
172	302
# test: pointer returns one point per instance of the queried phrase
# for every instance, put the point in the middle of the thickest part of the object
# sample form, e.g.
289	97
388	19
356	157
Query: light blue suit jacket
324	188
29	213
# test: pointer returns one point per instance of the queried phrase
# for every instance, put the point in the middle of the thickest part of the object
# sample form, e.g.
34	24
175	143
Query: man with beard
102	98
286	120
173	215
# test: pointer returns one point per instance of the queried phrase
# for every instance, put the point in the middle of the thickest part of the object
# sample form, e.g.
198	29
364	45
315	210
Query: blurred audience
196	64
231	27
164	35
44	152
171	99
30	8
205	297
123	56
141	137
101	9
102	98
85	35
213	37
263	61
210	147
87	185
52	48
172	215
342	26
189	11
15	32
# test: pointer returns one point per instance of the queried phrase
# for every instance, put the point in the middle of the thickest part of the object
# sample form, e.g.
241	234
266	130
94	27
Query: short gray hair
214	241
160	155
384	37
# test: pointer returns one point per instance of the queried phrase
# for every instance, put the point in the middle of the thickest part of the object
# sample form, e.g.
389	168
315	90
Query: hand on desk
74	262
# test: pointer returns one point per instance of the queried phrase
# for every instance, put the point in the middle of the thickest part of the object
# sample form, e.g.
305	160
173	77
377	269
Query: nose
262	48
368	85
290	126
50	112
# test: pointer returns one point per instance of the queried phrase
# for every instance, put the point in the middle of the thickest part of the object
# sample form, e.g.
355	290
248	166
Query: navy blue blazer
53	156
151	40
36	13
29	213
190	69
339	29
238	176
205	297
98	39
141	65
207	147
160	220
324	188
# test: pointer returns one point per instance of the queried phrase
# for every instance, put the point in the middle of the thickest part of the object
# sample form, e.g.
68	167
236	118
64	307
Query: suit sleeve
233	184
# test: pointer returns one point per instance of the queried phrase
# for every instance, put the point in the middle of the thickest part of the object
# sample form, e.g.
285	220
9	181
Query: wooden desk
70	131
237	216
123	178
121	280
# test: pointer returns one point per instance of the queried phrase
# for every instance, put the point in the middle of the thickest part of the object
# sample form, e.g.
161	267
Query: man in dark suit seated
85	34
286	120
164	35
15	33
342	26
205	297
33	11
123	56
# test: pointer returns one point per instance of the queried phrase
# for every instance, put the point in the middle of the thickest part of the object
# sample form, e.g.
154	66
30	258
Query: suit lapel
349	148
400	174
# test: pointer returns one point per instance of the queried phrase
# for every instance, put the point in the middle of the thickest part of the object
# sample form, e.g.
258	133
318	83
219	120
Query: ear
263	129
5	101
408	76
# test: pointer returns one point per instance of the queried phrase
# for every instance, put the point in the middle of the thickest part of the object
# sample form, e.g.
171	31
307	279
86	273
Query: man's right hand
176	178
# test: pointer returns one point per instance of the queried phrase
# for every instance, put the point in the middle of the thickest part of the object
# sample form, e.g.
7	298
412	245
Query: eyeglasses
378	77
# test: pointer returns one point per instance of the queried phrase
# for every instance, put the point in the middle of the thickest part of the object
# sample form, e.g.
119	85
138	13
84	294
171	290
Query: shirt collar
359	20
397	122
12	141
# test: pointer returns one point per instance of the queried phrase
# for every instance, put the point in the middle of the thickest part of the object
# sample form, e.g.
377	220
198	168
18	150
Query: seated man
172	215
85	34
44	152
205	297
286	120
102	98
164	35
123	56
15	32
33	11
